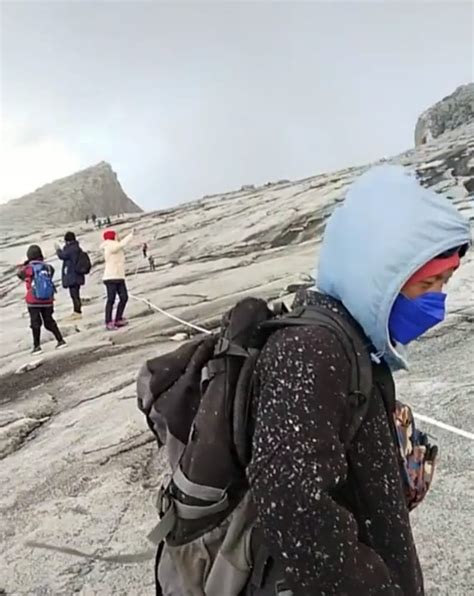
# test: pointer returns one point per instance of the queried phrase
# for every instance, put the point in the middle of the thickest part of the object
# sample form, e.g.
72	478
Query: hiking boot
111	327
61	344
121	323
37	350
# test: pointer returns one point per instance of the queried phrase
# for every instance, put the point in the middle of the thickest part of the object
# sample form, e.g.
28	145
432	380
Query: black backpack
83	263
197	400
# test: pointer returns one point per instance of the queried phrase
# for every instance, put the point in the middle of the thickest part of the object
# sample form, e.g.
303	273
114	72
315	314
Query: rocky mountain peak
448	114
95	189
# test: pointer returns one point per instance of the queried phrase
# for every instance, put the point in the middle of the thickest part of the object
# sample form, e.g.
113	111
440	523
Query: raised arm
119	244
128	238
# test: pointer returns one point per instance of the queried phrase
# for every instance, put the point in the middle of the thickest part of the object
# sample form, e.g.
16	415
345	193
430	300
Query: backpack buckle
221	347
163	500
297	312
357	399
281	589
226	347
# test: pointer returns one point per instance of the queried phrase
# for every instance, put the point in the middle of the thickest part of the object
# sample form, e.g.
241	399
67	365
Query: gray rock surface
449	113
80	470
93	190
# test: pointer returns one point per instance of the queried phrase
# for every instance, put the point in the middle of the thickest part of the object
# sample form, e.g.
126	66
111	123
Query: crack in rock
13	436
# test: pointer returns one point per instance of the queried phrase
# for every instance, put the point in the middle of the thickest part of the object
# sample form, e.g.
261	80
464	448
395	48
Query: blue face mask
411	317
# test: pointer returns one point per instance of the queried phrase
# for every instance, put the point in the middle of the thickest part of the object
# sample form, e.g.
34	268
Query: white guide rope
427	419
444	426
170	316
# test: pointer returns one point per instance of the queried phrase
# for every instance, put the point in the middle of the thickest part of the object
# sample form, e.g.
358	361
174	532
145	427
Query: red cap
109	235
435	267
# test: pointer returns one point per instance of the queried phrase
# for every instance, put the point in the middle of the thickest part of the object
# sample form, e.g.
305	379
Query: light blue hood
386	229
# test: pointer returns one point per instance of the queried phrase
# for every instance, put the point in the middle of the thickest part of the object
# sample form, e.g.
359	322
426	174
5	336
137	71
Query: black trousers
75	293
43	315
115	287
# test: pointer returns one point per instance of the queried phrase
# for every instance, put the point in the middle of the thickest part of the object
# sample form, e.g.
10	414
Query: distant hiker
114	278
76	264
99	224
151	261
145	250
40	290
108	221
294	467
87	219
94	218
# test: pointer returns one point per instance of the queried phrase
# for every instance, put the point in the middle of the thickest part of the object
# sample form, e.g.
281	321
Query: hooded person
335	517
40	290
71	279
114	278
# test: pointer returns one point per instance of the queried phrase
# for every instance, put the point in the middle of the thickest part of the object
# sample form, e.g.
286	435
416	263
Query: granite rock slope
79	469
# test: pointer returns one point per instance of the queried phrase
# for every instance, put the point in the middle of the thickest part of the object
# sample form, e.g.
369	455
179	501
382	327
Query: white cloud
28	164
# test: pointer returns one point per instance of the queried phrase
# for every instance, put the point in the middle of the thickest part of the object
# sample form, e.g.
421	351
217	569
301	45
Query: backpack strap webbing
159	553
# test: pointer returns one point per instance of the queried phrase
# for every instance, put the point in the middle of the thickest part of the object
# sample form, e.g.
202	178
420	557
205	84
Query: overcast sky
185	99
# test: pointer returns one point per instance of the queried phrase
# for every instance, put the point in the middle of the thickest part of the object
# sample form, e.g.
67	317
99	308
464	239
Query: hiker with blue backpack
294	466
40	290
76	265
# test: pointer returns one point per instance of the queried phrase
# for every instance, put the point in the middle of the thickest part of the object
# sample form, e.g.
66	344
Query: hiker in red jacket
40	290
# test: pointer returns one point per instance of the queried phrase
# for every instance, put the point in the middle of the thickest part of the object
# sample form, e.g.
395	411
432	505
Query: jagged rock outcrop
93	190
449	113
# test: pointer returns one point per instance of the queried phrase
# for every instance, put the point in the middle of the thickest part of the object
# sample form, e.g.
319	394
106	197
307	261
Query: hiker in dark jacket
335	465
40	308
335	517
70	278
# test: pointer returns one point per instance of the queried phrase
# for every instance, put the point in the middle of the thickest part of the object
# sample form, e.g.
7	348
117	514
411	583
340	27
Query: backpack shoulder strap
355	346
37	267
